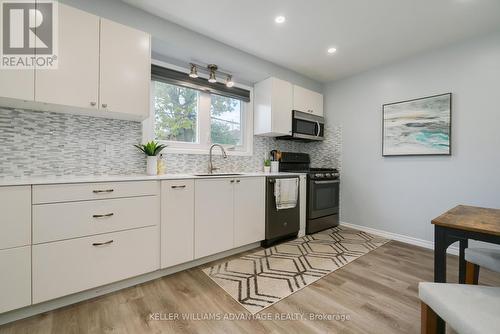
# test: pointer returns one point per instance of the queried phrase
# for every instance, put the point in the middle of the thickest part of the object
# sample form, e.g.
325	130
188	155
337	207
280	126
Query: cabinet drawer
65	267
15	278
88	191
15	216
60	221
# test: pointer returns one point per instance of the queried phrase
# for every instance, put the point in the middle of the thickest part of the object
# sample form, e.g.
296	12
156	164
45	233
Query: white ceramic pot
267	169
152	165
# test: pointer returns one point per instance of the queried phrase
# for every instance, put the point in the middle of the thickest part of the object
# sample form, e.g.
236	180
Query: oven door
323	198
306	126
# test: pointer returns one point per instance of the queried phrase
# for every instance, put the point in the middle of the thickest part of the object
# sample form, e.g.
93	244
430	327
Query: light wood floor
378	291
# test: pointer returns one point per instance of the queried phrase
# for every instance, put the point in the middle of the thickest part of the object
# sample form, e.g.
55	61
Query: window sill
205	151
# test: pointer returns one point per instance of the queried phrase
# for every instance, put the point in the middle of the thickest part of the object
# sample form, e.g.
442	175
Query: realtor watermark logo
29	34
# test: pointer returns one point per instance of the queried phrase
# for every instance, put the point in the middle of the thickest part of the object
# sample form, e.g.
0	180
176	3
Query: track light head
212	68
229	81
194	72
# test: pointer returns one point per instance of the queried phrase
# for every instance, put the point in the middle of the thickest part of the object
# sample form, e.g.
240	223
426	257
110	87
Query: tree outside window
177	115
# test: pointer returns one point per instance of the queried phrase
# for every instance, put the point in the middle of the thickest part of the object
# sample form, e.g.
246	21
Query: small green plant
267	162
151	149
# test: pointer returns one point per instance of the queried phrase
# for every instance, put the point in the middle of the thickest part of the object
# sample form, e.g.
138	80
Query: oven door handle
319	129
326	182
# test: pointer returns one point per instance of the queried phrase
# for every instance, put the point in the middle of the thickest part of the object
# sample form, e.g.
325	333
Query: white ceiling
367	33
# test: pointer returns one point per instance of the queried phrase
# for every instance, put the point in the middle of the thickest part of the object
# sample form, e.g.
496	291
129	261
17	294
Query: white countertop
19	181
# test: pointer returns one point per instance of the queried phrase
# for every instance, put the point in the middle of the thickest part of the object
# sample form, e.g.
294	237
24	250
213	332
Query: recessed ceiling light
331	50
279	19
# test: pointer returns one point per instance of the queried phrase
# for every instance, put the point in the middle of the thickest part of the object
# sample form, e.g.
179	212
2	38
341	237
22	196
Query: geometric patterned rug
263	278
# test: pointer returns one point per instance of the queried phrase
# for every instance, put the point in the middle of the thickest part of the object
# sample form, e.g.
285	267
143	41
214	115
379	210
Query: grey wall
402	194
178	45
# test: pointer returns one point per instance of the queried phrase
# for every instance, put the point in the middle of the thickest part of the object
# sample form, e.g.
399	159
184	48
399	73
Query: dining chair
466	308
477	257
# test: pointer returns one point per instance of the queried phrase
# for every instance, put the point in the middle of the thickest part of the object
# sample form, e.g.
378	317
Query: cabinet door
213	216
281	108
15	279
125	71
249	210
15	216
75	82
17	84
306	100
177	222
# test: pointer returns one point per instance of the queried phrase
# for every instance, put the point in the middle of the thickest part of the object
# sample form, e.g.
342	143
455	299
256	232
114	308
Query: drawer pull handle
179	187
103	216
238	181
103	191
102	243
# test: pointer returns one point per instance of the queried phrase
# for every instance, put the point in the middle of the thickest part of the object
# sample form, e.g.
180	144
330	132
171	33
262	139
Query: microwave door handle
319	129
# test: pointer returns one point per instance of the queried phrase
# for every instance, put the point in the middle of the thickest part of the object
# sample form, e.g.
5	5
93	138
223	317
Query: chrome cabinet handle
319	129
102	243
103	216
92	103
179	187
103	191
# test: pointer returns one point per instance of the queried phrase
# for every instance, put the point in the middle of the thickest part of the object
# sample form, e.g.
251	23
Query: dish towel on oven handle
286	193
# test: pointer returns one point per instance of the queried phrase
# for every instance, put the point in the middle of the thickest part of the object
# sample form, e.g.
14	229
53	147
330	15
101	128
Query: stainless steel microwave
307	126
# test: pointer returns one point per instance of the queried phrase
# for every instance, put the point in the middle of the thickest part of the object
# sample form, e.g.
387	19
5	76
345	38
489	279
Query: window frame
204	124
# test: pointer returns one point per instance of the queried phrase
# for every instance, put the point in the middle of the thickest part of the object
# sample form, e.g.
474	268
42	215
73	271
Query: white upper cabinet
104	70
125	73
306	100
17	84
273	102
249	210
75	81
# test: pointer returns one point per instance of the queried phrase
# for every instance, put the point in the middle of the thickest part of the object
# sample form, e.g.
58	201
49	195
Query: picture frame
417	127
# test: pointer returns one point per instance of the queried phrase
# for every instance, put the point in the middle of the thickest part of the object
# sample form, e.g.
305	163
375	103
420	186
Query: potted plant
267	166
151	150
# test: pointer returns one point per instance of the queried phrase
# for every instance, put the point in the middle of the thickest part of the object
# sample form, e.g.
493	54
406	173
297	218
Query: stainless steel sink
219	174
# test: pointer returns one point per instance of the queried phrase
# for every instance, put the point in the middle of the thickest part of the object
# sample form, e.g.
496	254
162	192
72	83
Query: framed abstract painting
417	127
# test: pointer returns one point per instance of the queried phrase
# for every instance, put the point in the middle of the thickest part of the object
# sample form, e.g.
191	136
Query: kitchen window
189	119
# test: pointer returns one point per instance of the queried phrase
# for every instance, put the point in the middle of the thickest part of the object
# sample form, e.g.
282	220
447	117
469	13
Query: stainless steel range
323	186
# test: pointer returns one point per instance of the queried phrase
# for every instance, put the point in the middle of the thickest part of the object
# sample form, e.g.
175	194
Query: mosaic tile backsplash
34	143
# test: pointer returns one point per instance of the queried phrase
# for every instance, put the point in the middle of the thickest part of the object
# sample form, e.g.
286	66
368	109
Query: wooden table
461	224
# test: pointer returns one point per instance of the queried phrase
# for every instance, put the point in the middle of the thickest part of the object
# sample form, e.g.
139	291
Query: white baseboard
399	237
103	290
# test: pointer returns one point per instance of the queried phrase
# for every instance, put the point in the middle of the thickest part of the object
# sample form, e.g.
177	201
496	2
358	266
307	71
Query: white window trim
197	148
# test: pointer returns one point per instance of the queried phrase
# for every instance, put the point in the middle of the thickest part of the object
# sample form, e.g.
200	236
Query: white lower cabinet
15	278
15	216
249	210
213	216
66	267
228	213
177	222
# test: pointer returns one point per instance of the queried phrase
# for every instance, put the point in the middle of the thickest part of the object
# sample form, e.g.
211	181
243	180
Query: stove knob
328	175
318	175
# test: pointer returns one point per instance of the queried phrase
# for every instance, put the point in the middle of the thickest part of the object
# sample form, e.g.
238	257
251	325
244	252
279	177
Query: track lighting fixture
212	71
194	71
